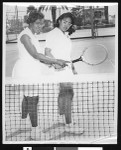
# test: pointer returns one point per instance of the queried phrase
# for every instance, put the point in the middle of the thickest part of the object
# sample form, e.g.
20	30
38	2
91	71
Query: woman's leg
61	103
25	112
68	93
32	107
24	108
68	105
65	100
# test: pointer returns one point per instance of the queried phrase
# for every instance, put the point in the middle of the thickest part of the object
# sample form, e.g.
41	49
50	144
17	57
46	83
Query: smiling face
65	24
37	26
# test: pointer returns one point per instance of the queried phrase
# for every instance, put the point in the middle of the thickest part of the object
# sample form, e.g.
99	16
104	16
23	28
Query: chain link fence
86	18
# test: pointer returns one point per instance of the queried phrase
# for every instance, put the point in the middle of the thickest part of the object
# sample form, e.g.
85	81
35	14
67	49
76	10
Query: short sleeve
49	41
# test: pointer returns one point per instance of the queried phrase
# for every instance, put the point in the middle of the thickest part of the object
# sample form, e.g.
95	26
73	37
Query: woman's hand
73	69
62	63
56	66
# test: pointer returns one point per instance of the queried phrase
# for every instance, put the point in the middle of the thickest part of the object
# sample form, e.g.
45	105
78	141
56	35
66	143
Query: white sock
35	132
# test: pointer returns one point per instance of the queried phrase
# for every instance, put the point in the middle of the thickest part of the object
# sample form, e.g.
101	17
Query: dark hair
33	16
71	30
67	15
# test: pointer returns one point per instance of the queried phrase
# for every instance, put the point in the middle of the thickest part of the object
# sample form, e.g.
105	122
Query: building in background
16	14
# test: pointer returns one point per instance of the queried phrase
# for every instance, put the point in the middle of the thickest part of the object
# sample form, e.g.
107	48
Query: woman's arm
25	39
48	53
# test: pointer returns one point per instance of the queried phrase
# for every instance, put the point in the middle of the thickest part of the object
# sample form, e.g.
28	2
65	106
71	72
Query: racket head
94	54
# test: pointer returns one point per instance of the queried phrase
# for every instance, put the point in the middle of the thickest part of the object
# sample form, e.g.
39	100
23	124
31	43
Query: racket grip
76	60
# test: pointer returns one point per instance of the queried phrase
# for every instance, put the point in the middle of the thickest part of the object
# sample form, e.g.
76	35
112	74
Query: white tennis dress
26	66
61	47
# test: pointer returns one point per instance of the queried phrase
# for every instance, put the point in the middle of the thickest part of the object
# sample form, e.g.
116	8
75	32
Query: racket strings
94	55
110	60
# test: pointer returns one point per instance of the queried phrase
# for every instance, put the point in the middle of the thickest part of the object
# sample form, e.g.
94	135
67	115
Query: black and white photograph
60	73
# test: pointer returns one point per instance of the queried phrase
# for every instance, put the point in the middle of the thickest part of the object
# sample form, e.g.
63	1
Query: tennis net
94	108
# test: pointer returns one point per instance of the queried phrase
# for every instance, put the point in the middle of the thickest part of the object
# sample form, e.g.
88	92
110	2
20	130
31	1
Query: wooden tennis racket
93	55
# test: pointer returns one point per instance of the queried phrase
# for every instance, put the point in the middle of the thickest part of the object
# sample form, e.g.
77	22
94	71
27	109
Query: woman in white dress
59	46
32	63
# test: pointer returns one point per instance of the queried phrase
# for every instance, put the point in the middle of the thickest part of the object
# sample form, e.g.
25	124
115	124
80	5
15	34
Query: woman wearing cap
58	45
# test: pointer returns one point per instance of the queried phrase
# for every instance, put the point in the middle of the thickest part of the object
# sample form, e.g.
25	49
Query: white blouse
61	46
27	66
59	43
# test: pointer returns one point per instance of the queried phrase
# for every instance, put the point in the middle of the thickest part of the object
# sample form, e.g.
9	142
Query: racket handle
76	60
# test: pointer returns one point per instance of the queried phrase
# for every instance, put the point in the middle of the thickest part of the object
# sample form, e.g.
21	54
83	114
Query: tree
77	11
53	9
81	14
106	14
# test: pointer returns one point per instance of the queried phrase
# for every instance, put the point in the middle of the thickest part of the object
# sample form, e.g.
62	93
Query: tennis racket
93	55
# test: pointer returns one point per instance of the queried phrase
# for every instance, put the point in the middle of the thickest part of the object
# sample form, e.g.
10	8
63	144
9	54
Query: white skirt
30	68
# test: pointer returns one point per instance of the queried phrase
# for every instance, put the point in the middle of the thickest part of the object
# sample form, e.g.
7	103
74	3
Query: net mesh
93	109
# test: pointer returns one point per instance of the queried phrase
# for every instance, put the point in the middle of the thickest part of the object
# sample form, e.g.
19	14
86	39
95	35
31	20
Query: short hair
67	15
33	16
